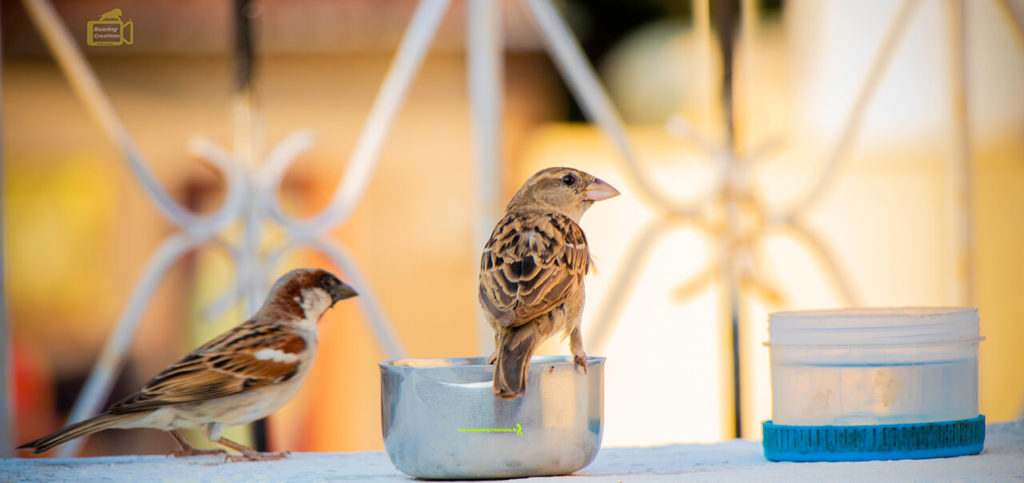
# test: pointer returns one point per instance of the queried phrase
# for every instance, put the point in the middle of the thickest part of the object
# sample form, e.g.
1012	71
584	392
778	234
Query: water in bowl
863	394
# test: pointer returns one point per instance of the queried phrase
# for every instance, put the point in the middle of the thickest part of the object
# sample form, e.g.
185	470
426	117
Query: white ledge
1002	460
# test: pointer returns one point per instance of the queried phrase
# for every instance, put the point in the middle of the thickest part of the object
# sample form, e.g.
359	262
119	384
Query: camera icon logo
110	30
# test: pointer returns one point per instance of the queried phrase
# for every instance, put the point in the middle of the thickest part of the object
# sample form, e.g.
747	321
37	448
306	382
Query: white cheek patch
275	355
315	302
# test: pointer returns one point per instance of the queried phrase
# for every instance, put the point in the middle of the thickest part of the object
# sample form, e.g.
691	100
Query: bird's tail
515	347
72	431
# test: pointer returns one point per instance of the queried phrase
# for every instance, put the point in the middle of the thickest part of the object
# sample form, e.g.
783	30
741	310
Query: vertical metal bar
961	173
246	147
244	47
725	16
7	431
702	30
486	90
748	31
246	127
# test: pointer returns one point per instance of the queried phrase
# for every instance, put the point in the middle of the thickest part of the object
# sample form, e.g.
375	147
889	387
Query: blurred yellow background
78	228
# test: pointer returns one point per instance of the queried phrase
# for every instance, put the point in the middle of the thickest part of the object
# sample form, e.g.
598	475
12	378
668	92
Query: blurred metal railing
251	197
252	182
736	262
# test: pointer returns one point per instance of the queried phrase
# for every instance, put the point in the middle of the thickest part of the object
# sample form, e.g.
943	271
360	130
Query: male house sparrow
531	272
242	375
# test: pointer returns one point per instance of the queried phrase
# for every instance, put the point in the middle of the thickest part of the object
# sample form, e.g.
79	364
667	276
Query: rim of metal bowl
448	362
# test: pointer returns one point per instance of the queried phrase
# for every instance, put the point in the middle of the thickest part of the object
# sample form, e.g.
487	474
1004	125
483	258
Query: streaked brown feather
513	357
222	367
530	264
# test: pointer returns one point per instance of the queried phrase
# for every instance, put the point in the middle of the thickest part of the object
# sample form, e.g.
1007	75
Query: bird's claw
256	456
581	364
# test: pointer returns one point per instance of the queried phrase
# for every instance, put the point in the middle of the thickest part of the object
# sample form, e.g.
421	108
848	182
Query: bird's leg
188	449
576	346
248	454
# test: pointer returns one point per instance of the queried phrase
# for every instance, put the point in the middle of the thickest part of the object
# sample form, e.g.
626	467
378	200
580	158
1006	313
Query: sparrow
241	376
532	269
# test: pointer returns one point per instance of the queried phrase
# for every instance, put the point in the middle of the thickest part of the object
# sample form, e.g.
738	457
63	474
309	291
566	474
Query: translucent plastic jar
874	366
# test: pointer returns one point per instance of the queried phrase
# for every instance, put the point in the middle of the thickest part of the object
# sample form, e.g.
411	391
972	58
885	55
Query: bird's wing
531	263
252	355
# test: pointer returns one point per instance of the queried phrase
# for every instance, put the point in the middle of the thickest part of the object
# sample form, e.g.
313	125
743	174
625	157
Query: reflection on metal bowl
440	419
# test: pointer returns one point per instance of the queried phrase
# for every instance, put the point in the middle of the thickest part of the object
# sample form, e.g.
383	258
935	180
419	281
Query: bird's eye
569	180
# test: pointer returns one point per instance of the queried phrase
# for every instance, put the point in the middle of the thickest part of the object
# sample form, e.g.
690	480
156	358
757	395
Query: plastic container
888	368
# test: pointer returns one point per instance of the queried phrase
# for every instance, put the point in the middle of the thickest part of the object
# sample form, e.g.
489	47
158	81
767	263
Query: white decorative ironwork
251	190
251	197
735	260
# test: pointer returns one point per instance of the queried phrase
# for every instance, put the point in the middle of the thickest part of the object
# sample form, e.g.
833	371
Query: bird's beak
599	190
343	292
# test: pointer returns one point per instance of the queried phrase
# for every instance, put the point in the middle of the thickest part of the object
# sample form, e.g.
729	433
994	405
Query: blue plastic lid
876	442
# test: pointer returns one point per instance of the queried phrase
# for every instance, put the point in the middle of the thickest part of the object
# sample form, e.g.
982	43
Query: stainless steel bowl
441	421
